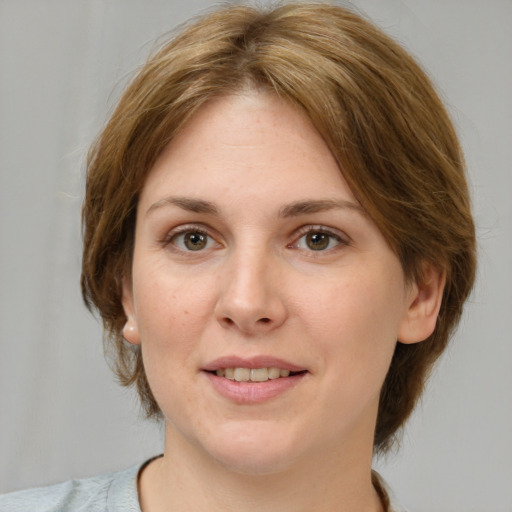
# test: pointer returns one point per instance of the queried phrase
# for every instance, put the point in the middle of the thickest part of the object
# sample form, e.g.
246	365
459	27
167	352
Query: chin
254	450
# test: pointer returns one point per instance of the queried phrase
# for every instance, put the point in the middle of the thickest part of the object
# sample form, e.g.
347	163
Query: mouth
253	380
242	374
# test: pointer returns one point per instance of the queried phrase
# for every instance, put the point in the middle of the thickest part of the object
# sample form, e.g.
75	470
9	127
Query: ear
130	329
424	301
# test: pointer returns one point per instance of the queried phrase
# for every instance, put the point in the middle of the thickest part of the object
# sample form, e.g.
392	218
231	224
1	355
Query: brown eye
192	241
195	241
318	241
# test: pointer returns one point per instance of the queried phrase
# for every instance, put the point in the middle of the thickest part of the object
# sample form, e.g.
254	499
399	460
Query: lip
252	392
261	361
247	393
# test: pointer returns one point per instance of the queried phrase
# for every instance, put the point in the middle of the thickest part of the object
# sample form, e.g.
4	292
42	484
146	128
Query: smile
240	374
252	380
242	385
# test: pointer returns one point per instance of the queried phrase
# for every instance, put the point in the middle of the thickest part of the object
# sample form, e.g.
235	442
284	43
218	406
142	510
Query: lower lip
252	392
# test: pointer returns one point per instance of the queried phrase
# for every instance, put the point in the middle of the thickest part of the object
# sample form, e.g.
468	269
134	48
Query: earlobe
425	300
130	330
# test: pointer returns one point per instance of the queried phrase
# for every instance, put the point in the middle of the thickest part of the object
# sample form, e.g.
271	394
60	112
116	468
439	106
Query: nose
251	295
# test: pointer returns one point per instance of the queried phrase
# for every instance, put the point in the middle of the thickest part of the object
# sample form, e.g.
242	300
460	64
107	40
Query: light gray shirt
113	492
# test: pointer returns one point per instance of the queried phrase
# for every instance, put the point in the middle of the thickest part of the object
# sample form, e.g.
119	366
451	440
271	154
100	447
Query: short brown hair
378	113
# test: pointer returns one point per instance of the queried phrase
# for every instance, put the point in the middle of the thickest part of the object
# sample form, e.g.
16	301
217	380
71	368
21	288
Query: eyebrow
294	209
318	205
188	204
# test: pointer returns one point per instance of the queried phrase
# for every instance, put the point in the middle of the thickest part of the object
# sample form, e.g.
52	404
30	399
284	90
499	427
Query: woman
278	237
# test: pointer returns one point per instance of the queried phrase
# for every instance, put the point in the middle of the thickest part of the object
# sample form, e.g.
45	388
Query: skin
259	286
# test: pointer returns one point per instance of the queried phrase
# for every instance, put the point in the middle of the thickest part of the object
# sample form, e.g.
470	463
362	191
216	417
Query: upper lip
262	361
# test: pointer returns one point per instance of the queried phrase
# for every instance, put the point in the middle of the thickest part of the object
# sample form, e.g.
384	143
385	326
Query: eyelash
170	239
341	241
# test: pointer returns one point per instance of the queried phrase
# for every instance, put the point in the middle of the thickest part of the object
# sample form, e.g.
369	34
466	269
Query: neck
184	479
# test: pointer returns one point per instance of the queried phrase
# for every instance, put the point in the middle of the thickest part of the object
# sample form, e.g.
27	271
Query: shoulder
107	493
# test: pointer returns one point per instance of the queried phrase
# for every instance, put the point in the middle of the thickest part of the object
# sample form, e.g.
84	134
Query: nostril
248	324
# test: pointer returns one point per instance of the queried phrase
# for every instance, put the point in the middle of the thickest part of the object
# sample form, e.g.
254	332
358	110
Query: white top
113	492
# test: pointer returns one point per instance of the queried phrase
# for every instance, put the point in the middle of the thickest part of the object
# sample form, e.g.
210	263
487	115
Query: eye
318	240
192	240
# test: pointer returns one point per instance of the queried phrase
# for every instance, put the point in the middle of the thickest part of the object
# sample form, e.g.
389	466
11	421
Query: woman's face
253	260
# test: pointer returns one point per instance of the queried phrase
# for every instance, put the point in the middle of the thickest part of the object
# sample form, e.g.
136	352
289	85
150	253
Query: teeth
259	374
242	374
274	373
252	374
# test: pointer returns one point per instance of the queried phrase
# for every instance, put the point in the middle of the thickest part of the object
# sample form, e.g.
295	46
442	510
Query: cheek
172	314
355	326
171	311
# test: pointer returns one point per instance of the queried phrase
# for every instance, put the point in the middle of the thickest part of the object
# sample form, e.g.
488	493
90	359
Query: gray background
62	66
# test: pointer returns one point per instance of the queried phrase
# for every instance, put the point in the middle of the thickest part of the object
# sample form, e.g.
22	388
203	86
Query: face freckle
258	295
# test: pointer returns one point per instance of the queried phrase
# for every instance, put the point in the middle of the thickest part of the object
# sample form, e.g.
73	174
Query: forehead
254	141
